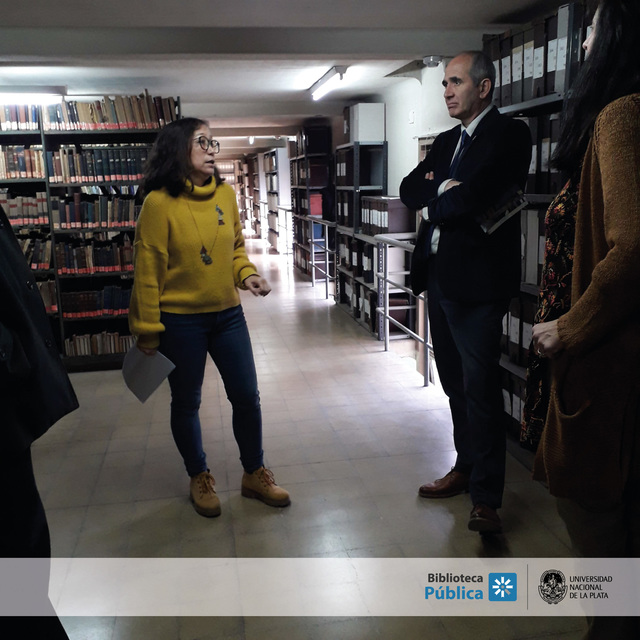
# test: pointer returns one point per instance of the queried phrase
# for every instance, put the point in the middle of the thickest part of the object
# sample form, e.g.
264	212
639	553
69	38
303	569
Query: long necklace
204	254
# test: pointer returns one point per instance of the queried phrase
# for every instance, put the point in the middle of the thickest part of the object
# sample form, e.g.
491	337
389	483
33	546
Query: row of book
25	211
111	301
363	166
518	322
385	214
545	131
82	211
363	304
310	173
517	329
97	344
361	259
302	260
119	112
539	61
48	291
19	117
345	208
18	161
86	257
310	204
97	163
37	252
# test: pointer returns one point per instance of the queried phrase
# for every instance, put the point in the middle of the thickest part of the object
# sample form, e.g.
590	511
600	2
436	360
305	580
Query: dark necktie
464	142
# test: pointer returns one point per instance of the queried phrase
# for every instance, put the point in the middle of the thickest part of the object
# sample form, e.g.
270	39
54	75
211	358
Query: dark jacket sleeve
494	170
416	191
35	390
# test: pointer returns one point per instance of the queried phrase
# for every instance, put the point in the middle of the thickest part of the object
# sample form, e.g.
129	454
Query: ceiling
244	65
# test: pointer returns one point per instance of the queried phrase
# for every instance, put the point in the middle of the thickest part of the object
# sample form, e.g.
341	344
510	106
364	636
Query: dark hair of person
481	68
610	71
169	162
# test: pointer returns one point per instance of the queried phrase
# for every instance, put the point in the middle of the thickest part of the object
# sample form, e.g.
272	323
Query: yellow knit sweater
169	272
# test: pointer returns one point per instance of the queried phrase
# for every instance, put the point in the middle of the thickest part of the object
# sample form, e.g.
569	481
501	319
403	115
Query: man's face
465	100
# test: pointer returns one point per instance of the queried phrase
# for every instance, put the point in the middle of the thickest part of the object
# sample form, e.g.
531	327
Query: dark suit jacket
472	266
35	390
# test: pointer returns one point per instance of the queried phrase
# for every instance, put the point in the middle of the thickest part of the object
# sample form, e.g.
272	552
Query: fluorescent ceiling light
328	82
31	95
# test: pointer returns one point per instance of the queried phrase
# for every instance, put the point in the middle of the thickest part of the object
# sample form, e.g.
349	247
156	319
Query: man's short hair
481	68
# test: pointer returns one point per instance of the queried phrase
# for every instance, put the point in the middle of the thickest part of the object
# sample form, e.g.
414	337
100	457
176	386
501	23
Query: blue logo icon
503	587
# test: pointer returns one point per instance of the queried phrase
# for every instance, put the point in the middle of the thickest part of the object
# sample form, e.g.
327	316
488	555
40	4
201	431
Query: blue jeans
224	335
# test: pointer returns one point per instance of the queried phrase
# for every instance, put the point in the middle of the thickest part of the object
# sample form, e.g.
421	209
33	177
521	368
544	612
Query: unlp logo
503	587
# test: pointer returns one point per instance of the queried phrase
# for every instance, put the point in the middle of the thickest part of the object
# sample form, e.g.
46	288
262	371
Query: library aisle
349	430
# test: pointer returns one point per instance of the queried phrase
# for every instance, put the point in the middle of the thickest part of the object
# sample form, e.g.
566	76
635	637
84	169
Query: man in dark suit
35	392
469	274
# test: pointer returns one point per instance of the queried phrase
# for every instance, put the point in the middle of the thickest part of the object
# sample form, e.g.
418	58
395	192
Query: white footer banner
328	586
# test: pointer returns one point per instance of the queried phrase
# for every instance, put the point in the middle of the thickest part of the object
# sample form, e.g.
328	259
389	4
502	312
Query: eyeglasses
206	144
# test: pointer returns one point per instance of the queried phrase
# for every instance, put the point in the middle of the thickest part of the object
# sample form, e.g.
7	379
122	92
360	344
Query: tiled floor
349	430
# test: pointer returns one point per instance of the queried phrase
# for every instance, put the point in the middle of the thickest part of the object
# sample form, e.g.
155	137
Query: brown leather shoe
452	484
484	519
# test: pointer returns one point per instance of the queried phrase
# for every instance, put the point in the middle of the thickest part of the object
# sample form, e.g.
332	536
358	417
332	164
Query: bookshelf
361	174
278	186
23	196
535	67
70	190
312	197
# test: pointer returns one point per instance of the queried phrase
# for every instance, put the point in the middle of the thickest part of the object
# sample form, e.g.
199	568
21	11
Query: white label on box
516	63
534	159
496	64
562	54
527	334
506	70
552	55
506	397
545	153
514	329
517	407
528	60
538	63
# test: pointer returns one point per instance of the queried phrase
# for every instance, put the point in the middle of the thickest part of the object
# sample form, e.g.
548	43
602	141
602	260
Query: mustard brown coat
586	445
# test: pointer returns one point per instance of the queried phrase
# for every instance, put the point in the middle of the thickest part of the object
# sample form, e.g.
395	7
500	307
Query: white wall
424	101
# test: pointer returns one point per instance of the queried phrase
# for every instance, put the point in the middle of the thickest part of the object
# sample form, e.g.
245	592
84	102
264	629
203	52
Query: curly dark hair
610	71
169	162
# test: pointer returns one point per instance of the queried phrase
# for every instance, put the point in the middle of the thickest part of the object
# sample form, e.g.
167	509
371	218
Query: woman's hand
546	341
257	285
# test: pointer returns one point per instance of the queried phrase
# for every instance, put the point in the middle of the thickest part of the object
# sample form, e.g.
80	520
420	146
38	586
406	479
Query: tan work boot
261	486
203	495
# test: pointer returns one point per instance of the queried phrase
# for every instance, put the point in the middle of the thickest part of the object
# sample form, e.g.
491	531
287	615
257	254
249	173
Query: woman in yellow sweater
190	261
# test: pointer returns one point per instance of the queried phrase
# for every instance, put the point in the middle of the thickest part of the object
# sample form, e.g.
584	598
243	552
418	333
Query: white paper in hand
143	374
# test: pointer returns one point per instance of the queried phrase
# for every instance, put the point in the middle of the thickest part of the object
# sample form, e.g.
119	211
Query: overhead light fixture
432	61
328	82
31	95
